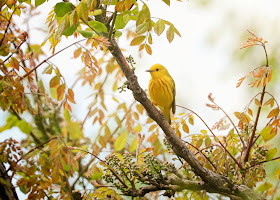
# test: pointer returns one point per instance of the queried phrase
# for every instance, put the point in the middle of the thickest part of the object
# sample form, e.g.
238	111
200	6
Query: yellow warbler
162	90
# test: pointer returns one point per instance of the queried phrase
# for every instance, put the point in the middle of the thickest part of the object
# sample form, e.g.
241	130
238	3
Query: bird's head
158	71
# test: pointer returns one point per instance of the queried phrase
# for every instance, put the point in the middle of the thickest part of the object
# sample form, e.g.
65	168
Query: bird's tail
166	113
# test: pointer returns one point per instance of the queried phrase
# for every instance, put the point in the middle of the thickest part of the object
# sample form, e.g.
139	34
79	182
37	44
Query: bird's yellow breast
161	92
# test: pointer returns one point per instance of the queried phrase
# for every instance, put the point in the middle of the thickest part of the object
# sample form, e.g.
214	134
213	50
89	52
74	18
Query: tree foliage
128	156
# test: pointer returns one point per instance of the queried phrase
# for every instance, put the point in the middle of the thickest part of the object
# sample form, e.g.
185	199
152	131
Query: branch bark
7	190
217	182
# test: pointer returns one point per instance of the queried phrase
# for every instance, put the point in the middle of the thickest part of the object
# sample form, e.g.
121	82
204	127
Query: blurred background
206	59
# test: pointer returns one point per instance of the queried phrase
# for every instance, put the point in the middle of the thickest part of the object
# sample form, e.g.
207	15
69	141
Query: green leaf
67	116
24	126
233	150
142	28
62	8
62	26
143	16
11	121
121	21
170	33
120	141
118	34
86	34
266	133
271	153
97	26
97	12
83	11
96	173
264	187
207	142
159	27
70	30
138	40
14	121
74	130
39	2
167	2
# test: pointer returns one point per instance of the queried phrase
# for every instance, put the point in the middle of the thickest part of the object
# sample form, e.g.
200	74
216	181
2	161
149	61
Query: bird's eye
157	69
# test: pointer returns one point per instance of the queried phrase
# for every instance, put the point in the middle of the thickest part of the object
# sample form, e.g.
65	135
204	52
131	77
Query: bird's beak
148	70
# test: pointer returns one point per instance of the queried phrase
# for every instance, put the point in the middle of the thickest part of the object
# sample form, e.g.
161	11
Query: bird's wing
174	94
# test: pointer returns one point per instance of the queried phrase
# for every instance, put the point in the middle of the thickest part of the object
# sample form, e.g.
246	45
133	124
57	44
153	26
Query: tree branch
222	184
251	143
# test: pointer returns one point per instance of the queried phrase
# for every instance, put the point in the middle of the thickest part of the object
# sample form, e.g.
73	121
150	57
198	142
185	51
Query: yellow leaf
148	49
178	133
138	40
138	128
133	145
150	39
186	128
77	52
120	142
170	33
258	103
141	47
191	120
250	112
203	131
159	27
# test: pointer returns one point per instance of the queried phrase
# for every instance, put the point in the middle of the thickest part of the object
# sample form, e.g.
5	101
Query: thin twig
100	88
254	128
250	145
33	149
234	159
28	73
6	30
265	161
231	123
200	151
104	162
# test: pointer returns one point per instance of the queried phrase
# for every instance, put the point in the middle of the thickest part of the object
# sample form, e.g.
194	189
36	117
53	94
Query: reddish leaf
14	63
250	112
60	92
70	96
273	113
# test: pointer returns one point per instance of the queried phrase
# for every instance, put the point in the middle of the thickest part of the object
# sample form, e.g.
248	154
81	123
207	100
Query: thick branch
7	190
223	184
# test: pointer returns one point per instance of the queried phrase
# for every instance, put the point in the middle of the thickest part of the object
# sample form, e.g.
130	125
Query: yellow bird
162	90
